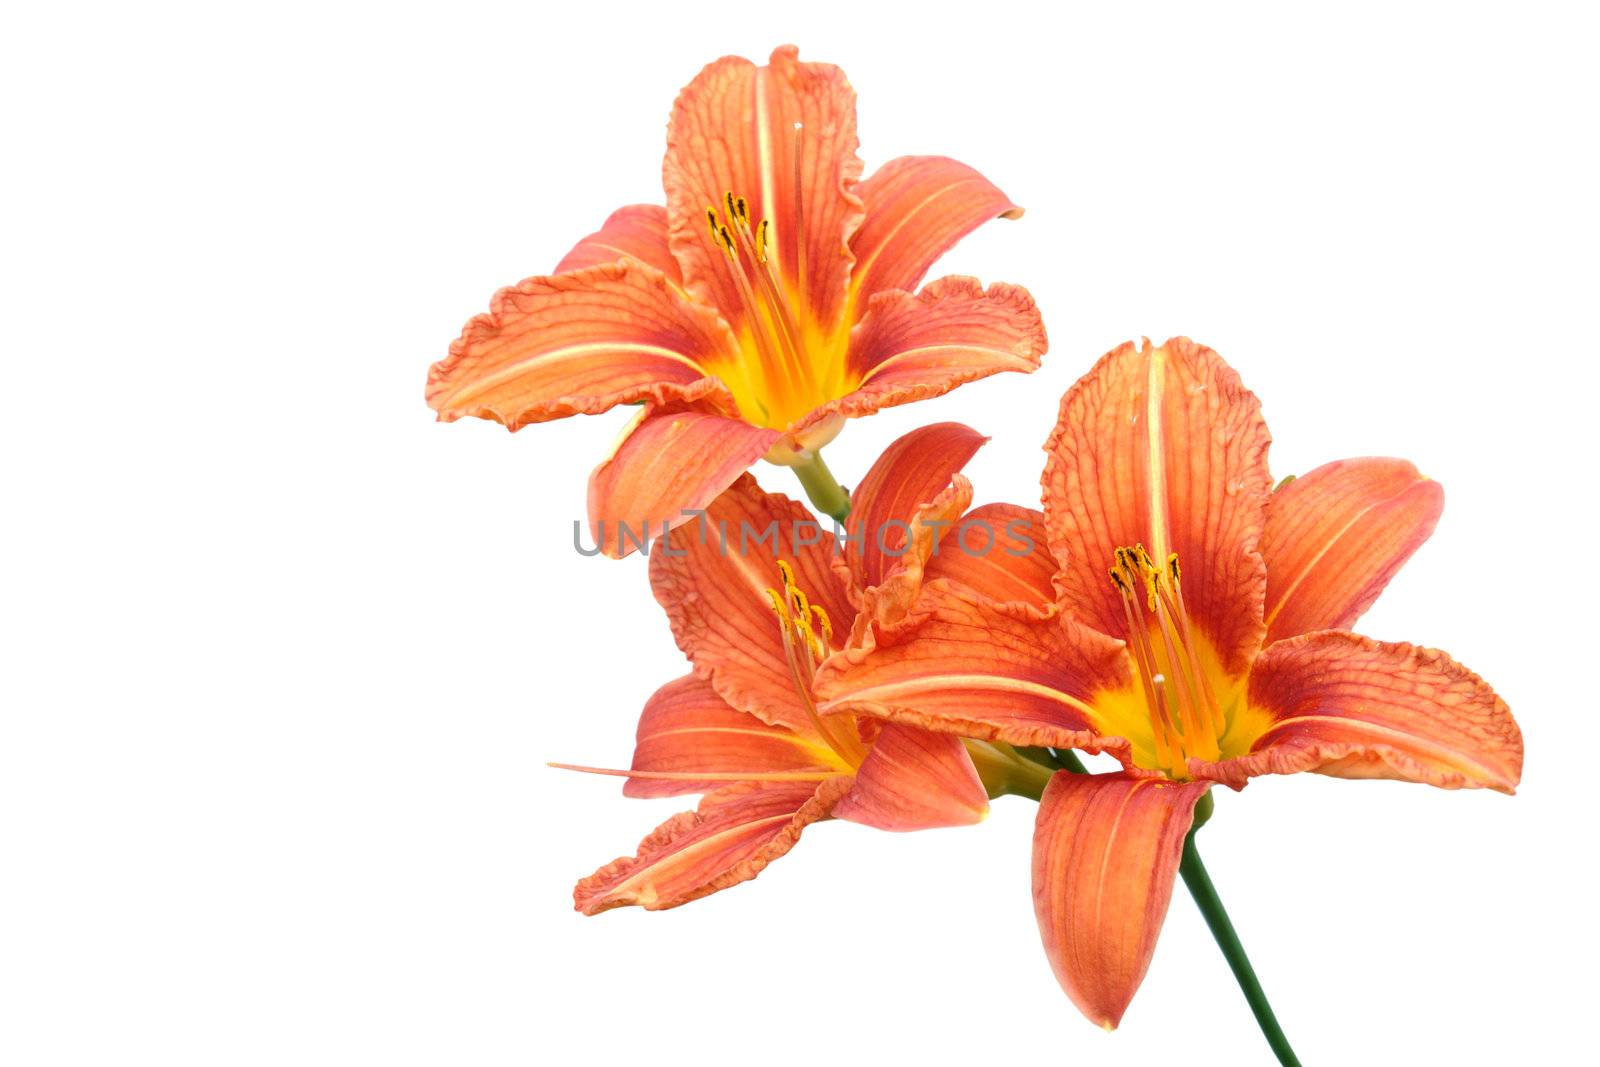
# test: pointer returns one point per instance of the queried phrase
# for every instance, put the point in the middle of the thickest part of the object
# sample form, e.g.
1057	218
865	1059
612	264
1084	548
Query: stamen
803	651
774	332
787	333
1185	719
1139	638
1206	697
764	342
1188	710
785	368
823	623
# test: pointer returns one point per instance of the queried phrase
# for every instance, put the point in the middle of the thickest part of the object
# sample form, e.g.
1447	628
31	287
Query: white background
283	658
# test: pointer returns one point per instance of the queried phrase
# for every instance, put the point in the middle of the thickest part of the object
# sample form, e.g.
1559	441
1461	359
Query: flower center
807	640
787	367
1186	720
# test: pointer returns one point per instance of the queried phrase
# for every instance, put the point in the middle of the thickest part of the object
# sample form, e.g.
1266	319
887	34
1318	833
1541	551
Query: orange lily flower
769	301
743	728
1200	634
911	522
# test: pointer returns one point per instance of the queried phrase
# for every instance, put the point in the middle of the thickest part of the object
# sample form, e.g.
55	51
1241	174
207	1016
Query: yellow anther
1135	565
1172	568
727	239
802	606
779	605
743	209
761	242
1152	587
788	574
823	622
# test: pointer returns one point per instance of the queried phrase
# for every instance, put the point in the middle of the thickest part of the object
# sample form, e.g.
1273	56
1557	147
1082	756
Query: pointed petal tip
1337	535
917	208
1105	859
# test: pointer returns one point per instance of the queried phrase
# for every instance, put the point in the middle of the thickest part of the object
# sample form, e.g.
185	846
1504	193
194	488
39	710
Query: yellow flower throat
788	364
1180	702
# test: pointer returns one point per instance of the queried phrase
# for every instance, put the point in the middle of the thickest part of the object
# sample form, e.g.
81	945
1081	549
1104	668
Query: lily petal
909	348
1336	536
638	230
888	604
1351	707
713	584
1163	447
729	839
784	137
917	208
998	550
993	672
915	780
667	465
688	729
911	472
1106	850
581	343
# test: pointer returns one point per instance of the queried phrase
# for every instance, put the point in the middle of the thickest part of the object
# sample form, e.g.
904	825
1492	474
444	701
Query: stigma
1186	721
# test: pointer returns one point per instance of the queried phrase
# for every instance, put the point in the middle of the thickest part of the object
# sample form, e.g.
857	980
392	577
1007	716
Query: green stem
1205	897
823	489
1063	759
